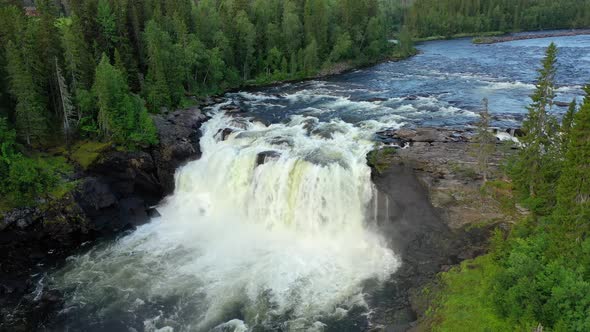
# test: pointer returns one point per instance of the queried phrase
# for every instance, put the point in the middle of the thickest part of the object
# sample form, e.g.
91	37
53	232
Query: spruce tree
30	106
122	115
536	167
566	125
573	193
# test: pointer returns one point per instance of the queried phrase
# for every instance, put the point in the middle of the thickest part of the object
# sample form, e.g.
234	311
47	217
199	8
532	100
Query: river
274	228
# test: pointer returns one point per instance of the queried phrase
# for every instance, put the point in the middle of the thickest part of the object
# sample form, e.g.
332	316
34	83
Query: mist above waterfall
271	226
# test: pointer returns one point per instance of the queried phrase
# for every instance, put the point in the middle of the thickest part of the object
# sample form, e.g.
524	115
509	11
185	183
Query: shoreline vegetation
528	35
534	275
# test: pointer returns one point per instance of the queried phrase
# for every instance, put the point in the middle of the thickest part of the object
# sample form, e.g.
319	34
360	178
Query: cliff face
114	194
435	210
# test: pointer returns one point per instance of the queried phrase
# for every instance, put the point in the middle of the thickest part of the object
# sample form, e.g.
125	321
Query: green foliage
86	153
539	275
380	158
573	194
30	105
405	46
122	116
451	17
537	166
22	179
464	303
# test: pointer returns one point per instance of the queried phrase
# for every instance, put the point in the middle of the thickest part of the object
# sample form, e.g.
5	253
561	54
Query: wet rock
411	97
95	195
561	103
280	140
22	218
264	157
376	99
232	108
153	213
128	173
240	123
223	134
179	135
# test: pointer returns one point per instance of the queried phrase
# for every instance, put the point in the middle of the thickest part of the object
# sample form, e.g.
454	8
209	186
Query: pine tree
566	125
536	168
246	37
573	193
108	27
311	60
121	114
30	106
79	64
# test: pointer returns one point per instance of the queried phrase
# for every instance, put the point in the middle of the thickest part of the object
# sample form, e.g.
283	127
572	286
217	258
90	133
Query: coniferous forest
72	70
454	17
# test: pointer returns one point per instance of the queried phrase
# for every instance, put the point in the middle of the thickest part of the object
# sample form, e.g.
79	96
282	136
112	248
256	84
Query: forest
426	18
536	277
96	69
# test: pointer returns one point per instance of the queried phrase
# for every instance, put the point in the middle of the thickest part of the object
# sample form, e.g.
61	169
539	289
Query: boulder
561	104
266	156
223	134
429	135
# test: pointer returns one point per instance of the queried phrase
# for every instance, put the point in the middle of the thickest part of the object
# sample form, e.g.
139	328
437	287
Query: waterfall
269	227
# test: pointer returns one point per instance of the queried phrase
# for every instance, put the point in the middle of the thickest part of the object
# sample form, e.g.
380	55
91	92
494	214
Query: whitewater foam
243	243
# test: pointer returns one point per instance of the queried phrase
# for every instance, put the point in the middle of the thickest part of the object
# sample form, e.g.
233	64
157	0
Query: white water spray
284	242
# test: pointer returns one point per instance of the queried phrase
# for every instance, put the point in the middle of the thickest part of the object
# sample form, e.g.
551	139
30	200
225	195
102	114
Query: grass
462	303
86	153
462	35
502	192
380	159
464	170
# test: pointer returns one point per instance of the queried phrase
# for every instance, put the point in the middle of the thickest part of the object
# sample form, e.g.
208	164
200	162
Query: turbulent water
273	228
281	244
442	86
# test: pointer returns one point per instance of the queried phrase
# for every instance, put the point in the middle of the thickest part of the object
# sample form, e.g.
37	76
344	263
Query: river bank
529	35
441	214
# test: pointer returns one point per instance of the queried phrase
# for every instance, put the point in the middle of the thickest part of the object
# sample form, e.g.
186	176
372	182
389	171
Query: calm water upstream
291	244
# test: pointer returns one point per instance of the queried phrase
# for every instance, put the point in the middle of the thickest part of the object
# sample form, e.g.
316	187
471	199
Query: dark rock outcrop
265	156
179	142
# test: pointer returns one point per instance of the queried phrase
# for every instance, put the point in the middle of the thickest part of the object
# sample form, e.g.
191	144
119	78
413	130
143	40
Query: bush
22	179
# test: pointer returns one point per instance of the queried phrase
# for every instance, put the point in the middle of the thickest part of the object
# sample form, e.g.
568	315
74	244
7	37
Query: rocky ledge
113	194
433	210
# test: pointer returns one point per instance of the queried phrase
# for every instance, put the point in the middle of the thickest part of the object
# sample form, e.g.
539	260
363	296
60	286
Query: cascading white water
284	242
